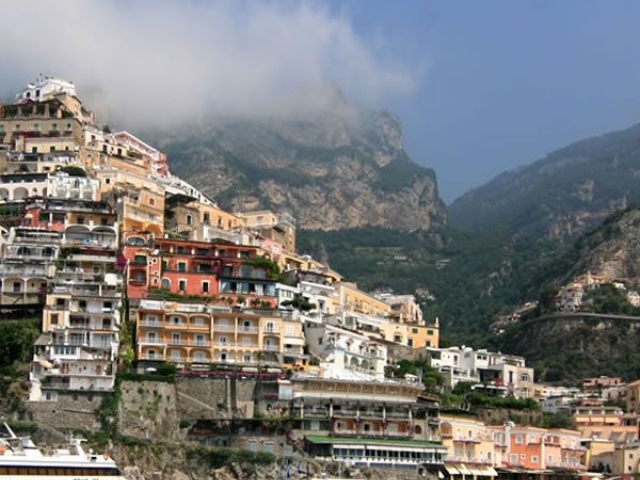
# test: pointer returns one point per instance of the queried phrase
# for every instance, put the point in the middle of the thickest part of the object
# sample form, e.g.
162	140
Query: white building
45	88
498	372
345	353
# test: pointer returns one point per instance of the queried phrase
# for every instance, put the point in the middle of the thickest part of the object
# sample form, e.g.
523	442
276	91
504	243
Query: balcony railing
223	328
243	329
151	324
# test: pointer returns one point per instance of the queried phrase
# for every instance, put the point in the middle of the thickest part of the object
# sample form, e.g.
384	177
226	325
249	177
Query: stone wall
215	398
71	411
149	410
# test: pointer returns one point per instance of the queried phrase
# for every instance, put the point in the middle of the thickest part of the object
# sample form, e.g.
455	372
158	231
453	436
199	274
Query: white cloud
167	61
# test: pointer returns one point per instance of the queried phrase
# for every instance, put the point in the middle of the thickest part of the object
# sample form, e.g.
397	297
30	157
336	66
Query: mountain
334	171
603	339
611	251
562	195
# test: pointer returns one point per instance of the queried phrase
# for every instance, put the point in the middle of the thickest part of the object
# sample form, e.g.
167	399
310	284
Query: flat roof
372	441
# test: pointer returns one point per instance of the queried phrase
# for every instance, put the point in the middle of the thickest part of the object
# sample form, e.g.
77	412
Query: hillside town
137	272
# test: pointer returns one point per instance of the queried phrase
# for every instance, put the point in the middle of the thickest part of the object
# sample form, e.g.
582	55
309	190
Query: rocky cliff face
332	172
562	195
611	251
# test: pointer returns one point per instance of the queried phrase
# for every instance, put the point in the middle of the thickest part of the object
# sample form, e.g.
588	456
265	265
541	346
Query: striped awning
464	470
451	470
488	472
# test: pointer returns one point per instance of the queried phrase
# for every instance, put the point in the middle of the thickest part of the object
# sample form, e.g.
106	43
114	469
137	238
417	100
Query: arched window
165	283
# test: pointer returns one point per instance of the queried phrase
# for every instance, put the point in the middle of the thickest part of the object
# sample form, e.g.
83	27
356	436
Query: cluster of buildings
98	233
99	236
571	296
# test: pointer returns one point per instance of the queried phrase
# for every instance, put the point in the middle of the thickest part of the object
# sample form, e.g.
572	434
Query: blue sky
507	81
481	86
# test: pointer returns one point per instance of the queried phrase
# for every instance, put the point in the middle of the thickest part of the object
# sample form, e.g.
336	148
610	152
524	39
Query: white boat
20	459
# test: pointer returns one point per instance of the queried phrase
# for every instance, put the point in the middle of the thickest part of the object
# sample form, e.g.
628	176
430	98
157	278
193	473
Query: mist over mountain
334	170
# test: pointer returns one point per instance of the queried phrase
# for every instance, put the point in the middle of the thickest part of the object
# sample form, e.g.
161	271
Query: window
414	330
519	439
205	287
182	285
198	321
534	459
182	266
189	219
54	319
205	218
429	332
34	149
165	283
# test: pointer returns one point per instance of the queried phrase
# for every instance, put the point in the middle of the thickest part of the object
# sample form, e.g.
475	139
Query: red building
223	272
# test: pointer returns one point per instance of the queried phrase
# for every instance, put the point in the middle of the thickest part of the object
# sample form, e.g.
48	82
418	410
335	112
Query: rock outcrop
333	172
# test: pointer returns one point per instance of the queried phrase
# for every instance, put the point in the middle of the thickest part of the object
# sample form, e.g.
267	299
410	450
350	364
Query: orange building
532	448
226	273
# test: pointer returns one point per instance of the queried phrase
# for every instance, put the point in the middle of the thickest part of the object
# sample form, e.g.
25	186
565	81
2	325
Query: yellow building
633	397
470	446
354	299
139	200
195	333
279	227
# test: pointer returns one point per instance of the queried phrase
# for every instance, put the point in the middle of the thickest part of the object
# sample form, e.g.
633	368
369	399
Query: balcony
151	341
271	330
244	329
200	343
223	328
151	324
26	270
155	357
178	341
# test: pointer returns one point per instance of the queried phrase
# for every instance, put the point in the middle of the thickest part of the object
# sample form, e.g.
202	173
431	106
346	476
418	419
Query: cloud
161	61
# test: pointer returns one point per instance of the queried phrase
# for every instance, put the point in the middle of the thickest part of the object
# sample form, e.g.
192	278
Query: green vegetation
472	276
272	268
73	171
431	379
16	340
557	420
299	302
608	299
226	457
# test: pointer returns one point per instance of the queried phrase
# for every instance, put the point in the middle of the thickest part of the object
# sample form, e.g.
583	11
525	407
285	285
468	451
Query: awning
464	470
451	470
488	472
475	471
46	364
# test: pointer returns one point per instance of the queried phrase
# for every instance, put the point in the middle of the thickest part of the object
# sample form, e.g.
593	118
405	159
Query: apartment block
187	333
